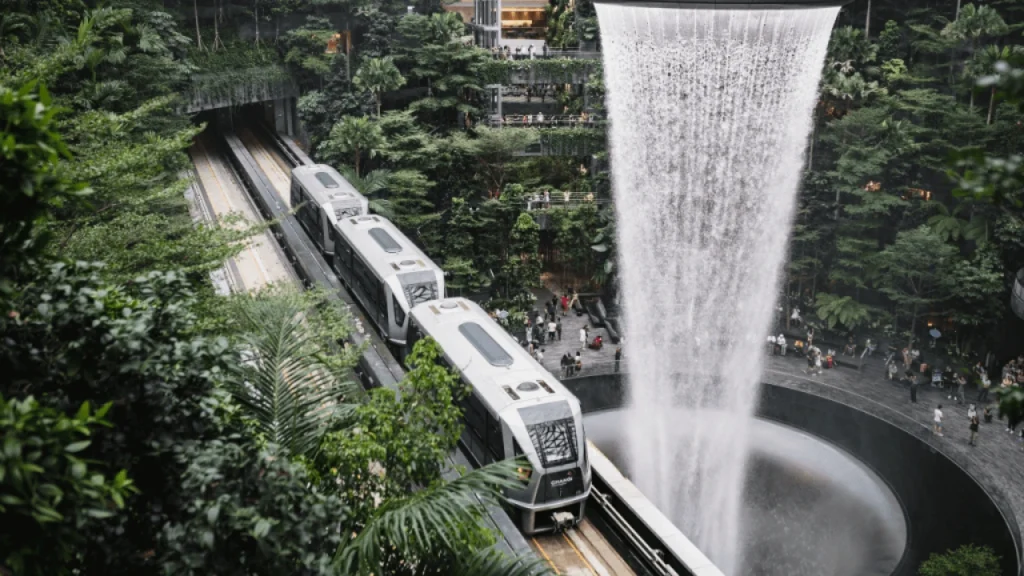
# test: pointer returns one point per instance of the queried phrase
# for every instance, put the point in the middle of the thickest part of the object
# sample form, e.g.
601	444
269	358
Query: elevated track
608	542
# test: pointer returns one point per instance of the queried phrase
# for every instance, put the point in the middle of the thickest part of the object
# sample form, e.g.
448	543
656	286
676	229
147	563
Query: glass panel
485	345
385	240
326	180
555	441
399	313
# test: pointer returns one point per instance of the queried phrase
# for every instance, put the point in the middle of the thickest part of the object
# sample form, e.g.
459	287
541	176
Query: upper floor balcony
545	121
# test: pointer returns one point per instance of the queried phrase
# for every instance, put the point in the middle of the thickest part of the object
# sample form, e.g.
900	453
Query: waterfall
710	111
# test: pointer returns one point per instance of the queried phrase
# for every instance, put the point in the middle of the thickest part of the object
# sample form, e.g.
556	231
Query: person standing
986	383
552	328
869	347
913	389
579	362
583	338
558	328
565	304
781	341
810	336
618	357
937	421
974	431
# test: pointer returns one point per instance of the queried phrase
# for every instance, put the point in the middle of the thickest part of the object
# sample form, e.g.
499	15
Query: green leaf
262	528
77	446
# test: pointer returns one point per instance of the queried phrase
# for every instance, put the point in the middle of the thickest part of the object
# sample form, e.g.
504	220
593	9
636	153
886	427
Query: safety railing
543	121
559	199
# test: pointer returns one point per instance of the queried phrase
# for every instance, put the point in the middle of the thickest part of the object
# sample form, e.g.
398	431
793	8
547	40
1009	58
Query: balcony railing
542	121
559	199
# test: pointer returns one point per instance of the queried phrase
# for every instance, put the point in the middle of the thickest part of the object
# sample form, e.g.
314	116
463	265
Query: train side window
399	313
517	450
495	443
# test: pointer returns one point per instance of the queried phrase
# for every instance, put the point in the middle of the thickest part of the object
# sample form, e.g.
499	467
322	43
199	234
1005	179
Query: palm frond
491	562
289	393
428	520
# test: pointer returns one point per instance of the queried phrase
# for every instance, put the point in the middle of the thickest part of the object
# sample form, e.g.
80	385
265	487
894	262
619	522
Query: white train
517	408
385	271
323	198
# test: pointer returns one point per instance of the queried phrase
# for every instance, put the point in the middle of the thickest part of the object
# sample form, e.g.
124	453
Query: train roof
385	248
325	184
499	369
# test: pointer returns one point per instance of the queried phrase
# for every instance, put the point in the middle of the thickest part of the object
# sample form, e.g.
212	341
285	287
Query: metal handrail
545	121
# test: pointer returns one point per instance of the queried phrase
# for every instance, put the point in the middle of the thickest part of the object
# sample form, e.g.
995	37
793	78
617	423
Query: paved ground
998	460
594	361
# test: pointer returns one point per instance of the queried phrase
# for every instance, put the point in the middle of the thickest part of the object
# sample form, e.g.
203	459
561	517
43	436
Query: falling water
710	114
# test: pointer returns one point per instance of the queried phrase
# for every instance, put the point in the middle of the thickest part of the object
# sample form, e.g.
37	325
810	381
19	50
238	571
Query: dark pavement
997	462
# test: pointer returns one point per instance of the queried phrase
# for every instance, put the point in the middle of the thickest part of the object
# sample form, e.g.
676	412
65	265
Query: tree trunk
217	14
256	19
838	199
378	97
971	106
991	104
867	22
957	17
199	35
357	162
913	326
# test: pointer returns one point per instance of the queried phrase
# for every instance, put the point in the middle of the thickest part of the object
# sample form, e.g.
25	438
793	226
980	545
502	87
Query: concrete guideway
580	551
261	263
274	167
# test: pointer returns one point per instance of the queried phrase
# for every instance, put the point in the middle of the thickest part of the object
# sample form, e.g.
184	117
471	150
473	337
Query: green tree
305	51
461	248
372	185
388	467
287	387
914	273
50	496
355	136
29	176
251	512
495	151
967	560
523	267
432	52
378	75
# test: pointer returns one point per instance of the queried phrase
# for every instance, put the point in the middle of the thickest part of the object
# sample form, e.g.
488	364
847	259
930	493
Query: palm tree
975	22
378	75
290	394
984	64
353	135
374	182
287	388
429	525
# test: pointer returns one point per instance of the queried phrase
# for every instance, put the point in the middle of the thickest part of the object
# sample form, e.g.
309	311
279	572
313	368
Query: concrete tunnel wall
945	505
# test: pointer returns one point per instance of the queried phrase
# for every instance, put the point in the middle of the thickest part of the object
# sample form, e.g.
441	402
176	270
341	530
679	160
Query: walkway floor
997	461
594	361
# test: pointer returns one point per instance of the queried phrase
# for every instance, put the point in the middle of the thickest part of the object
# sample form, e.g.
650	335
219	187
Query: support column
289	105
280	115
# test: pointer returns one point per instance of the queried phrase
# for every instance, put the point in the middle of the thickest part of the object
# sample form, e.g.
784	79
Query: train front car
386	273
517	408
324	197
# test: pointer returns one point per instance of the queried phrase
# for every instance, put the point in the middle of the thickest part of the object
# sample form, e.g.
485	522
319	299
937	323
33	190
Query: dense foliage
885	241
149	425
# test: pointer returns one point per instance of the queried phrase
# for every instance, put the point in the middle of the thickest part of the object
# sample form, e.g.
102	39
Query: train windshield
419	287
552	432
